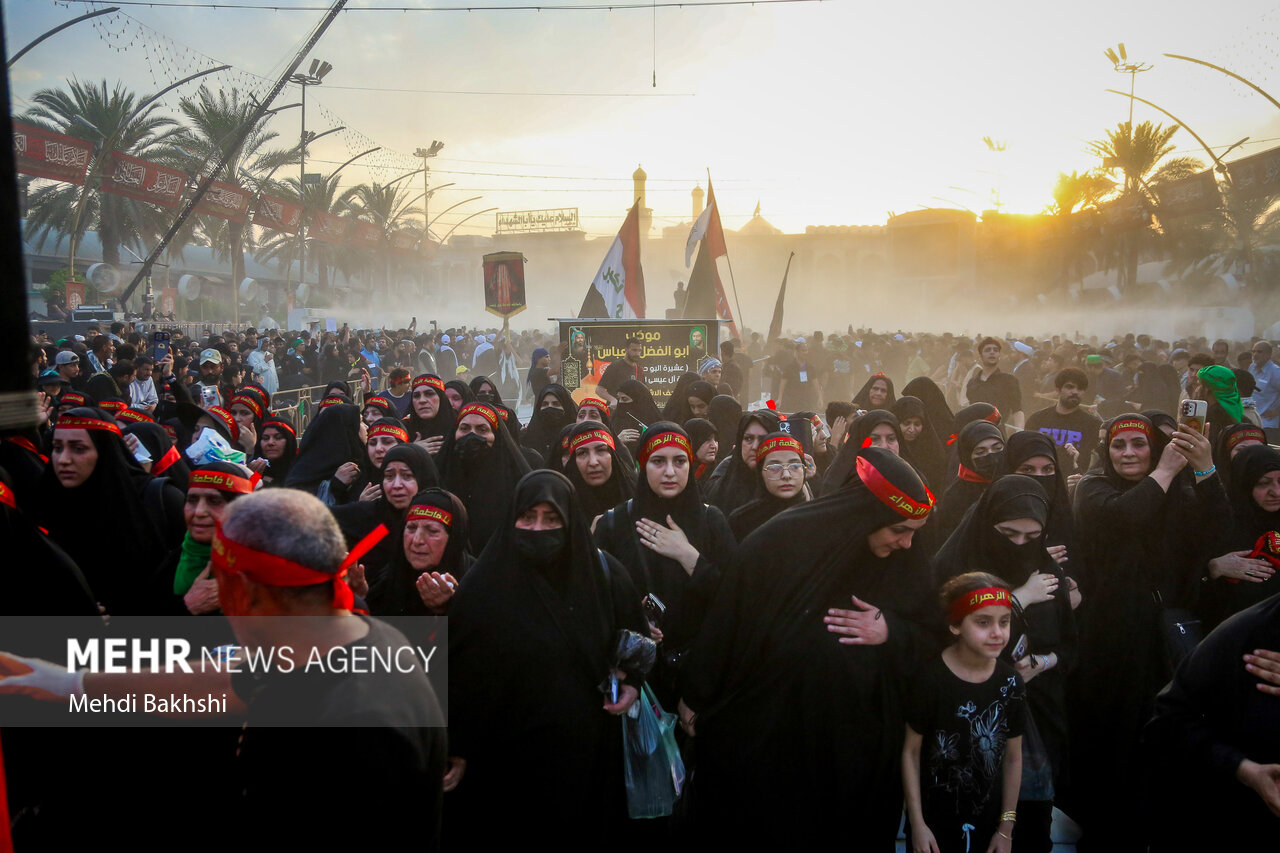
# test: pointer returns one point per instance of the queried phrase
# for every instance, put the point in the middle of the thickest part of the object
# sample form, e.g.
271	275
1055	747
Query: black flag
775	325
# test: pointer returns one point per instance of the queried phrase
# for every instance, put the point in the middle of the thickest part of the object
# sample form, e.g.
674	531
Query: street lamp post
1120	59
426	154
314	76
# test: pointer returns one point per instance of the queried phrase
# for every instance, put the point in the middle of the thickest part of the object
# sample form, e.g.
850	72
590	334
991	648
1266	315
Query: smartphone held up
1193	415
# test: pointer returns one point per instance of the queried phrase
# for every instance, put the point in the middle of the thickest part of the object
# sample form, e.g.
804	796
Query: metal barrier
299	404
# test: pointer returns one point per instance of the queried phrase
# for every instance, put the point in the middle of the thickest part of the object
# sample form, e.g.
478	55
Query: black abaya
799	736
531	639
1136	538
546	423
686	594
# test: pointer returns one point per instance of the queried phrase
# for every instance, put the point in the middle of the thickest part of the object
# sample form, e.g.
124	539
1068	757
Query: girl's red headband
663	440
988	596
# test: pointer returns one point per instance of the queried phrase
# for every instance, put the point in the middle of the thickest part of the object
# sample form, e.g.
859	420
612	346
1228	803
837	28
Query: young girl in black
962	757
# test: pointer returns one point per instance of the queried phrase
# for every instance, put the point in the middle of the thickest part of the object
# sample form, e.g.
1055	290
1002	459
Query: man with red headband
312	735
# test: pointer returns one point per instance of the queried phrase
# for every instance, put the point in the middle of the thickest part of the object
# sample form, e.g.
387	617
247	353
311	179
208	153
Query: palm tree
1075	205
283	248
106	118
214	122
387	207
1137	157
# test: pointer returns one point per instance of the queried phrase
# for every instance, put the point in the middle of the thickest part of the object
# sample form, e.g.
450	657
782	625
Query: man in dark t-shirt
620	371
989	384
1068	424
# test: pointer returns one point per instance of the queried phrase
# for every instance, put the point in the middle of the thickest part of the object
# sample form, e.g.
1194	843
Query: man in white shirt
1266	373
142	390
262	362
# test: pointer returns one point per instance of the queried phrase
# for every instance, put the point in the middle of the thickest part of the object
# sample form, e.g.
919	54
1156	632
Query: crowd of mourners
931	583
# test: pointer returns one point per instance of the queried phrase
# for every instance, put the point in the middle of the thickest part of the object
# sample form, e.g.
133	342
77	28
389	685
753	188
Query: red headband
594	403
281	425
228	420
221	481
381	402
68	422
431	513
330	401
388	429
429	379
482	410
249	402
1250	433
994	417
164	463
890	495
234	558
663	440
6	497
778	442
988	596
135	416
595	436
1129	425
115	407
73	397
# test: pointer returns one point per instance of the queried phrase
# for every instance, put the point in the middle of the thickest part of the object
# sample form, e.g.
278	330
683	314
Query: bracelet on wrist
1011	816
1212	469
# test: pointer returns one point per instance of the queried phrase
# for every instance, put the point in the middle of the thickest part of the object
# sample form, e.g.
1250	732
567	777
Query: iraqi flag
706	297
618	289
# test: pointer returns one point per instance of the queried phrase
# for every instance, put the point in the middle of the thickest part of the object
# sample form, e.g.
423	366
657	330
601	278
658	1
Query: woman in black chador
1004	534
792	691
481	465
780	472
552	412
600	477
921	445
980	455
114	520
1143	521
1243	572
672	544
533	631
733	483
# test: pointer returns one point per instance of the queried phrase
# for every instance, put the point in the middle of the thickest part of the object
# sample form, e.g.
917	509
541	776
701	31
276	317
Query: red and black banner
277	214
144	181
327	227
365	235
504	283
225	201
44	154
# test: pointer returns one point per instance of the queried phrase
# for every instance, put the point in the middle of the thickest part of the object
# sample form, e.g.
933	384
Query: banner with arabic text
365	235
44	154
143	180
277	214
327	227
225	201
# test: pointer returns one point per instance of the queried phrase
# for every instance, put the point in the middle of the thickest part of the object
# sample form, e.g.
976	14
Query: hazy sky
827	113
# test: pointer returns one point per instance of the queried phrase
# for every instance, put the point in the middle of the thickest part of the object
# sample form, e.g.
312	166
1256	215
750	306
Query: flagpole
729	261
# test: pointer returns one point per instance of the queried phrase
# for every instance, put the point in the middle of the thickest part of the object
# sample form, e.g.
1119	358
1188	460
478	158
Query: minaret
646	213
697	201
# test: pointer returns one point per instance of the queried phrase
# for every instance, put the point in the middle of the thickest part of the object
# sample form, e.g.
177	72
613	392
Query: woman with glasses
780	469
